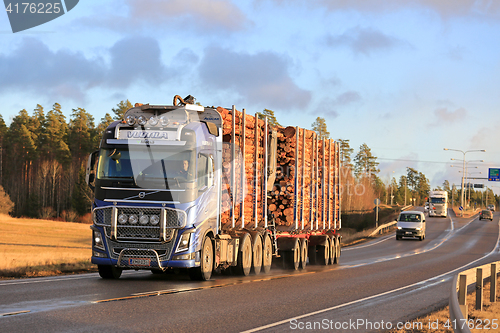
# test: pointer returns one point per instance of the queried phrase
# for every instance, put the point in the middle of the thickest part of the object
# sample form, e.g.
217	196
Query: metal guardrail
382	228
458	294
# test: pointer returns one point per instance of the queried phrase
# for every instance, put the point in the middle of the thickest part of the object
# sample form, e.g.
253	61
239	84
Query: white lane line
373	296
13	313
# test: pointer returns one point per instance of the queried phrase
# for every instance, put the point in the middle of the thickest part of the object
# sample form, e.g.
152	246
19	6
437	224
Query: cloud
364	41
446	9
201	15
32	66
260	78
328	108
456	53
443	114
135	58
347	98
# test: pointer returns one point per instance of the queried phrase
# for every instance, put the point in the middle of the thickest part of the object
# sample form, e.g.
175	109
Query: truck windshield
437	200
147	165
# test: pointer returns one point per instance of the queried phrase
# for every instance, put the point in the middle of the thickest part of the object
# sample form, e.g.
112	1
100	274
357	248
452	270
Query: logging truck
207	189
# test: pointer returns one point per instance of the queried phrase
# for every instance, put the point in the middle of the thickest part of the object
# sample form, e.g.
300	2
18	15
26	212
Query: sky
407	77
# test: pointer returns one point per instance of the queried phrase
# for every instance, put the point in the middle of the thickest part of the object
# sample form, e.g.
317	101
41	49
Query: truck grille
139	223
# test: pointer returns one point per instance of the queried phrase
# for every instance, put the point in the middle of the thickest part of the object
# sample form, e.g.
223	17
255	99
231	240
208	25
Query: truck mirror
89	171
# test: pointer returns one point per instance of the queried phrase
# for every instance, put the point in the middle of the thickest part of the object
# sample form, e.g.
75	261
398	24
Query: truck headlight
130	120
144	219
418	229
98	243
141	121
133	219
122	219
183	242
399	228
154	219
153	121
164	121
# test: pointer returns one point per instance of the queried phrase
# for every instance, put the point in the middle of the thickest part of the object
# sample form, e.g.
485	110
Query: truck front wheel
109	272
204	272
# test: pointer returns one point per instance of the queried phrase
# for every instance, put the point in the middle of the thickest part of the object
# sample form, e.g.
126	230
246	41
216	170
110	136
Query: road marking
13	313
375	296
177	291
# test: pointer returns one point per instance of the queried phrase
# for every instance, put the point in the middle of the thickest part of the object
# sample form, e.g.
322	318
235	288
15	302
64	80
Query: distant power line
458	163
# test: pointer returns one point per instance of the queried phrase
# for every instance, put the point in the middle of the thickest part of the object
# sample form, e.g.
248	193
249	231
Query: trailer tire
244	263
109	272
323	255
267	254
303	253
257	255
336	259
292	257
204	272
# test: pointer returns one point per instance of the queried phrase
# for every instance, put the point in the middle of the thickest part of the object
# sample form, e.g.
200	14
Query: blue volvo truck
196	188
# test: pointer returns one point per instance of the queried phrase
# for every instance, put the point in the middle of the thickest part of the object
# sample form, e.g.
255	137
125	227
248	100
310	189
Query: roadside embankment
32	247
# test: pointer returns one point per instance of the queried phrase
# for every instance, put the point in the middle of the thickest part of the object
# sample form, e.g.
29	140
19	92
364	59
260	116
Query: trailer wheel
257	254
244	263
333	251
336	259
303	253
267	255
204	272
109	272
292	257
323	255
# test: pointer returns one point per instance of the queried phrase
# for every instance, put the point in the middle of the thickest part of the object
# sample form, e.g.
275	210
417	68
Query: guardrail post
493	283
462	294
479	289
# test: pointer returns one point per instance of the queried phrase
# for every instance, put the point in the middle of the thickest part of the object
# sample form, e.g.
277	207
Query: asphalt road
379	283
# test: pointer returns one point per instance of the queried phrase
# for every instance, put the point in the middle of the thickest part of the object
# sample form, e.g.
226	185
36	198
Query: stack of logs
282	199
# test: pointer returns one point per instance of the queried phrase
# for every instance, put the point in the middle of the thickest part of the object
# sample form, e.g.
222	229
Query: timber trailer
208	189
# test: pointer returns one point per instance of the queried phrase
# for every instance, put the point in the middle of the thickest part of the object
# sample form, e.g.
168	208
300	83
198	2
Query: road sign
494	174
461	208
376	201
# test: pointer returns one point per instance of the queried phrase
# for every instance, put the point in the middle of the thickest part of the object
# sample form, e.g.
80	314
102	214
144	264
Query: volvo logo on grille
142	195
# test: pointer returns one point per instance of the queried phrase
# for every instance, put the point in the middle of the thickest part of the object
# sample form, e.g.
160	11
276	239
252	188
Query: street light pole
463	170
392	196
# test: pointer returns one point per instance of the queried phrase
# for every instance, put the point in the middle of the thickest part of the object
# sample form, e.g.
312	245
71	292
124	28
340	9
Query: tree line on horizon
43	158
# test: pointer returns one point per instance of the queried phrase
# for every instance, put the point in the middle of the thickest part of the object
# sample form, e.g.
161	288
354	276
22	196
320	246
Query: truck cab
155	181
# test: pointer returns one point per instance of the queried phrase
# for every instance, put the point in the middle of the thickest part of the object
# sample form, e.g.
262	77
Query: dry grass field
30	247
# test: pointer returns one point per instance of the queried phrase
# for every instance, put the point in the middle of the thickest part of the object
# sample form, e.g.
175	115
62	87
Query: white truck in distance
438	203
